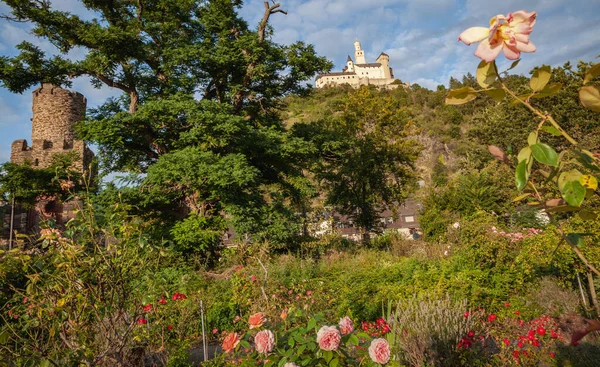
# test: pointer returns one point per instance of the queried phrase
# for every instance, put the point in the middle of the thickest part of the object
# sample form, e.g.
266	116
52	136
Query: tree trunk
593	292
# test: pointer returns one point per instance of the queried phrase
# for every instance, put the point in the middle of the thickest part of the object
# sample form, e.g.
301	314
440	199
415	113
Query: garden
505	272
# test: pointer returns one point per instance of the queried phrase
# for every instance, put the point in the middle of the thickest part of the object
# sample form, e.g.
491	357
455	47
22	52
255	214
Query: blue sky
420	36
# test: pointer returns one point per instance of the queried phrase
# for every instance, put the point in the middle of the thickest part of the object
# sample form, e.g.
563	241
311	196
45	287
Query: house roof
349	58
337	73
369	65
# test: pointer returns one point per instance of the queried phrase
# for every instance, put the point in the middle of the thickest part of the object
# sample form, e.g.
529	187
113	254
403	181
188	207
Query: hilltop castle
361	73
55	110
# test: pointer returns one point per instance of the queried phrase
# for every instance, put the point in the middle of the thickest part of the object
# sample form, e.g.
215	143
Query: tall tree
197	114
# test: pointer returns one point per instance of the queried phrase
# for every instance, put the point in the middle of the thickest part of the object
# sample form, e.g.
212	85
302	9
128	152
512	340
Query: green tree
368	159
198	109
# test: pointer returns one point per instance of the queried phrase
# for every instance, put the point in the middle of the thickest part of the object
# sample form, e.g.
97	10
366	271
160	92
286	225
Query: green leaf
544	154
334	362
514	64
552	130
328	355
548	90
575	239
486	74
461	96
532	138
496	94
353	339
592	73
522	97
590	97
45	363
245	344
572	175
521	175
573	193
540	78
311	324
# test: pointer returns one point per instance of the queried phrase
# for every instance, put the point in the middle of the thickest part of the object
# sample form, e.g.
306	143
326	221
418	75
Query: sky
420	36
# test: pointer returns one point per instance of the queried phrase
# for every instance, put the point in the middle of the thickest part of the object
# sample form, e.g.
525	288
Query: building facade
358	72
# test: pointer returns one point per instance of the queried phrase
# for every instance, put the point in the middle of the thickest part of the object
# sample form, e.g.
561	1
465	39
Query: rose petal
488	52
525	47
474	34
511	52
522	16
521	28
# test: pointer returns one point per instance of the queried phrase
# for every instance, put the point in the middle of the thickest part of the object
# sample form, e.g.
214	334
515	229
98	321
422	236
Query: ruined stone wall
55	110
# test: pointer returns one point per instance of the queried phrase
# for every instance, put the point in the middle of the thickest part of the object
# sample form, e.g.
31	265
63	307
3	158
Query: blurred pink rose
379	351
264	341
328	338
290	364
346	326
506	33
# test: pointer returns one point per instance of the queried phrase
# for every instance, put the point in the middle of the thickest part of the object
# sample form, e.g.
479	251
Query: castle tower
55	110
384	60
349	65
359	53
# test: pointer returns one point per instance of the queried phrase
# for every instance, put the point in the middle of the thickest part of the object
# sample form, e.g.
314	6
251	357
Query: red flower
553	334
147	308
253	278
142	321
541	331
162	301
170	327
470	334
517	312
520	344
467	315
506	304
515	353
552	355
536	343
492	318
506	341
178	296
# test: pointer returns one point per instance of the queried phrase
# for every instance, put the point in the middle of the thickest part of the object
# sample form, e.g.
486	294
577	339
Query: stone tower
55	110
384	60
359	53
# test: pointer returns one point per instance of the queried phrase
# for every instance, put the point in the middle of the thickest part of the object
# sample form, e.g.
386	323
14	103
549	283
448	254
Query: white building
361	73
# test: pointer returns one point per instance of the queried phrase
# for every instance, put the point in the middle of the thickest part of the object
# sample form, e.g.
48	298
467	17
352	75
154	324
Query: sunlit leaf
486	74
521	197
589	182
541	77
522	97
532	138
544	154
573	193
524	154
590	97
496	94
572	175
592	73
461	96
554	203
552	130
548	90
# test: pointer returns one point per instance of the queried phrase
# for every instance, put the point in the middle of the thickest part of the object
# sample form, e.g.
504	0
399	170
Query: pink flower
509	33
379	351
264	341
256	320
328	338
346	326
230	342
290	364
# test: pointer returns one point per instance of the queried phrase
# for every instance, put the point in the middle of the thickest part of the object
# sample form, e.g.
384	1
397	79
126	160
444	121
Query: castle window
37	162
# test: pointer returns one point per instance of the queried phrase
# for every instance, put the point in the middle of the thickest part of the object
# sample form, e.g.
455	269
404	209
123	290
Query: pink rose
328	338
290	364
379	351
264	341
346	326
230	342
505	33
